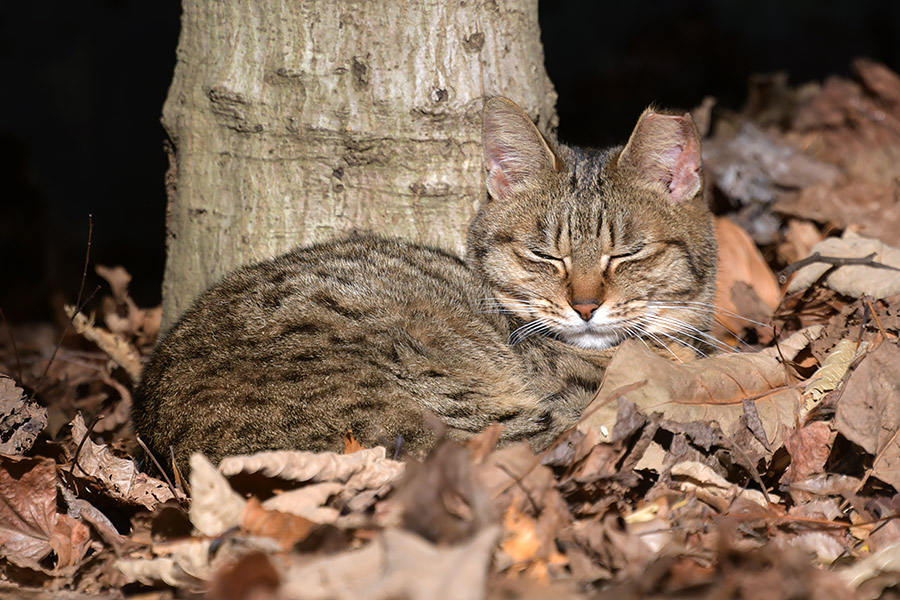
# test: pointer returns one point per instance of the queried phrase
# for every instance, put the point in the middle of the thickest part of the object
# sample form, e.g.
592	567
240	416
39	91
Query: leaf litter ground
768	469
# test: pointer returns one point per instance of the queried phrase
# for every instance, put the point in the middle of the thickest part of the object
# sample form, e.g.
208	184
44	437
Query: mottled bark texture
292	121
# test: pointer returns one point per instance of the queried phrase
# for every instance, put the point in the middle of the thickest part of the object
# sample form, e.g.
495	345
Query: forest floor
768	470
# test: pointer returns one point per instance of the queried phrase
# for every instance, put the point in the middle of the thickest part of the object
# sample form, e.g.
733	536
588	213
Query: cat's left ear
664	150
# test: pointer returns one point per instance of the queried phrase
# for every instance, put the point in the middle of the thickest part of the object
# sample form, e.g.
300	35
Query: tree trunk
295	120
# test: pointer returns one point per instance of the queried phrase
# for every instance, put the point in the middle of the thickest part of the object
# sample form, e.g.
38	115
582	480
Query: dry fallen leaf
308	502
30	526
397	564
187	566
215	507
365	469
286	529
809	448
21	420
119	476
741	262
709	389
114	345
873	574
699	479
868	412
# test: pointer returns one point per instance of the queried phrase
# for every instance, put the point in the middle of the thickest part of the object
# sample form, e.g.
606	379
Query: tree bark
294	120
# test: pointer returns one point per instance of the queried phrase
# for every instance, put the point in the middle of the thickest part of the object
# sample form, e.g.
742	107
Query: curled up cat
573	251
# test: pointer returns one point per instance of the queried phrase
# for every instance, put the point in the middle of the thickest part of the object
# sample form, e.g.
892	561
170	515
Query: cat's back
295	351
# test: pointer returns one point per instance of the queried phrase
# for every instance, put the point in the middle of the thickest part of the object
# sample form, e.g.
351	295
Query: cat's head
594	246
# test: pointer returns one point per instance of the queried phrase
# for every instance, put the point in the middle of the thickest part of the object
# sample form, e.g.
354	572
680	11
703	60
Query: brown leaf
27	507
285	528
809	448
868	413
351	445
118	476
252	577
21	420
837	122
869	208
118	349
522	544
30	526
70	540
741	262
710	389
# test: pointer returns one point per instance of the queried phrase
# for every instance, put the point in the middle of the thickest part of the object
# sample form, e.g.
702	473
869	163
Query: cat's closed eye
628	252
545	256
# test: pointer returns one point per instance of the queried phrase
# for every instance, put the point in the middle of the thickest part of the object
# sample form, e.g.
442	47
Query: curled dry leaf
215	507
186	566
853	280
695	477
114	345
829	376
118	476
30	526
252	577
397	564
81	509
365	469
121	313
21	420
308	502
868	413
709	389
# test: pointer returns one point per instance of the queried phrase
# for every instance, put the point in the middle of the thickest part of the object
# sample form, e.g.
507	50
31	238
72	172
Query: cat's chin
591	340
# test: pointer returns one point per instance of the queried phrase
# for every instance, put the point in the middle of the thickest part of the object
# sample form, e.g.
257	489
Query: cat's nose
585	309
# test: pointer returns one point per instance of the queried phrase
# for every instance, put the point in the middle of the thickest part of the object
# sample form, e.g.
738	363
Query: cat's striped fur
574	251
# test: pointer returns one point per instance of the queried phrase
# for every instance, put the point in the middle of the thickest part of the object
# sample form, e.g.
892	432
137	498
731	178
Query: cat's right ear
516	155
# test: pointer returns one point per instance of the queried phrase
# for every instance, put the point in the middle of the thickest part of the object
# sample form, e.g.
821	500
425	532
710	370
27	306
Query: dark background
84	83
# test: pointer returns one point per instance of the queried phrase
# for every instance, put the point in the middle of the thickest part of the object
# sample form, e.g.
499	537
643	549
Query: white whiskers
538	326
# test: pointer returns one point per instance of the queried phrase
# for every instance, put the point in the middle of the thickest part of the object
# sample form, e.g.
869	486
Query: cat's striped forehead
587	211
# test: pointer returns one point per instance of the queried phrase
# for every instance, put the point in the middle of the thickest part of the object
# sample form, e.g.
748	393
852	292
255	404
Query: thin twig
87	257
78	305
158	466
835	261
874	314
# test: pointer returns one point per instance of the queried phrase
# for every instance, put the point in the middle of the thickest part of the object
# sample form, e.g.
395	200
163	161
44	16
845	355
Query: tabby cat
573	251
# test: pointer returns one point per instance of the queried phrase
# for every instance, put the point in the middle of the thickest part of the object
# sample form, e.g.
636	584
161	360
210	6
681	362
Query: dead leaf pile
770	468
